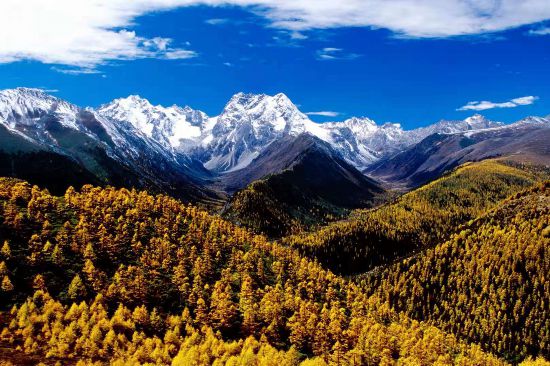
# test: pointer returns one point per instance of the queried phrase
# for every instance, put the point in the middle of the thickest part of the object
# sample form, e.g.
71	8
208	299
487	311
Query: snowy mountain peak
260	112
133	100
475	122
28	92
283	99
166	125
37	98
360	127
478	121
534	120
247	124
25	106
131	106
253	102
359	122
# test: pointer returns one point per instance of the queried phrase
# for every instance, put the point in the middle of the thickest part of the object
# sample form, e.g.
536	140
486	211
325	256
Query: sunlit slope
122	276
489	283
421	218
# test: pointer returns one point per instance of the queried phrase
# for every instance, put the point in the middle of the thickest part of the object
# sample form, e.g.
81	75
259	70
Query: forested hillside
488	283
416	220
276	208
257	208
121	276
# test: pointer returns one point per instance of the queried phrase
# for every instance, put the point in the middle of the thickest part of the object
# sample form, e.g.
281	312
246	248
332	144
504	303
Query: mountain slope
85	147
416	220
488	283
525	140
23	159
157	282
306	182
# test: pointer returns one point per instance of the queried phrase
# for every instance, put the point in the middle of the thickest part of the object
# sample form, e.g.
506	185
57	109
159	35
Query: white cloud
176	54
82	34
524	100
47	90
414	18
157	42
324	114
216	21
484	104
540	31
286	38
333	53
75	71
87	33
298	35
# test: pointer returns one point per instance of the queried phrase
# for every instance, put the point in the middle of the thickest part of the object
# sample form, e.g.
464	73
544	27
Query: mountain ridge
525	140
250	122
113	151
182	150
295	183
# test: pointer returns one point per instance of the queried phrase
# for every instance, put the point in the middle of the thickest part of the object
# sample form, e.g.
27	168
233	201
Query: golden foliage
416	220
140	279
487	283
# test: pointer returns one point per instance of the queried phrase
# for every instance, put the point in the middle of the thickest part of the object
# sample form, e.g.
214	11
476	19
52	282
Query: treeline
488	283
416	220
107	275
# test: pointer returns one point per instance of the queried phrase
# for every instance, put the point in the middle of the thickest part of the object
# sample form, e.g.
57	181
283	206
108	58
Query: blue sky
200	56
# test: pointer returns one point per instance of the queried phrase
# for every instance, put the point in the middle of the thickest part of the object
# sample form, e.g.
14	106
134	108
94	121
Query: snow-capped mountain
40	117
361	141
523	141
24	106
250	122
246	126
532	121
169	126
187	142
22	111
114	151
475	122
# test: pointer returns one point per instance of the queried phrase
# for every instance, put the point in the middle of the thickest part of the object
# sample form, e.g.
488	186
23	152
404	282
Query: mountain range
195	157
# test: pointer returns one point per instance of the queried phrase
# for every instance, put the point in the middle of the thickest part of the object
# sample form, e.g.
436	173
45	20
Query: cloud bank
88	33
484	104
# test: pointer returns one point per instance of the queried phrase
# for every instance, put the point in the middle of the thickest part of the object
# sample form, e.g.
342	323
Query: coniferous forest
453	273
